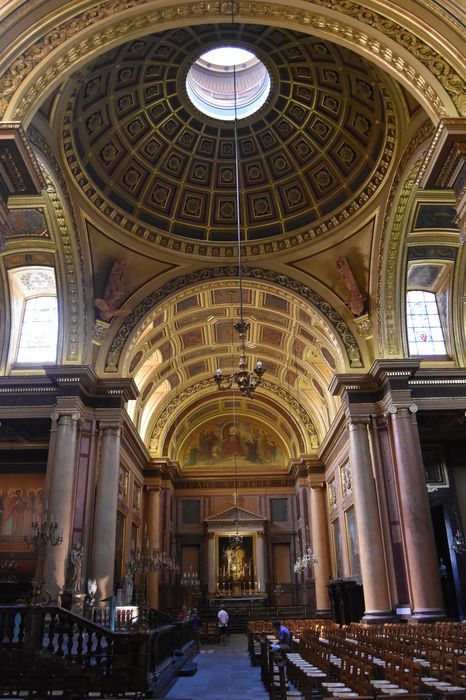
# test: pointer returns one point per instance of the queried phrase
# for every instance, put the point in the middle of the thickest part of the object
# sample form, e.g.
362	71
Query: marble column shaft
260	544
105	512
373	570
320	547
418	534
60	496
212	572
153	531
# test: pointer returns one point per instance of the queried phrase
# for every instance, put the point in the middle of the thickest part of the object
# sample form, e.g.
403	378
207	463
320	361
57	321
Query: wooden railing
70	644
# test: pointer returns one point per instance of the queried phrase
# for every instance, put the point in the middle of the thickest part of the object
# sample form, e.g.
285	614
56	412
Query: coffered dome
309	158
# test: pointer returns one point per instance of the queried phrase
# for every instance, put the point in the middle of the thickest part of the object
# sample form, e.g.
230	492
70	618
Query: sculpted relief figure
356	302
114	292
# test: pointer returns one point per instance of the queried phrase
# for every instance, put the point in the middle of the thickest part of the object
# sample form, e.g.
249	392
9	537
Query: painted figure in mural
13	513
113	294
207	440
73	568
232	442
252	450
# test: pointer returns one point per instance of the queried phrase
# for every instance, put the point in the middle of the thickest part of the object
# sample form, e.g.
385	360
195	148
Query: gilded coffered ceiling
315	154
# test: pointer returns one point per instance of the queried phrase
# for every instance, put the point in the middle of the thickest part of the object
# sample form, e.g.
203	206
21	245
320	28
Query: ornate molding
173	406
216	273
76	328
389	245
151	20
119	210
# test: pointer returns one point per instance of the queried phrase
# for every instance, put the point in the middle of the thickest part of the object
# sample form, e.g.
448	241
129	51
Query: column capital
358	423
111	425
317	485
394	408
60	415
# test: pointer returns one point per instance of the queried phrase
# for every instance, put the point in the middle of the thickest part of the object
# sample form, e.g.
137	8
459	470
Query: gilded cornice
389	246
77	328
210	274
124	24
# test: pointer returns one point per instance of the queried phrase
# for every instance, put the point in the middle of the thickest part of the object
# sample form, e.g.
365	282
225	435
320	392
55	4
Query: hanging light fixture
459	541
308	558
236	540
244	379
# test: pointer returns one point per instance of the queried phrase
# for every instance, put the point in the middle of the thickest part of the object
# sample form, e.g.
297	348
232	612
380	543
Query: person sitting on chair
284	637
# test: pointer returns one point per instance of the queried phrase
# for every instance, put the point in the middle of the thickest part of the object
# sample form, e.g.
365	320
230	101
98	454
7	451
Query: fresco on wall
21	503
224	442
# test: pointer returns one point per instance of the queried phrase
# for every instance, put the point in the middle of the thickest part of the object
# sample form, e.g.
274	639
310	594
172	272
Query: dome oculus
210	83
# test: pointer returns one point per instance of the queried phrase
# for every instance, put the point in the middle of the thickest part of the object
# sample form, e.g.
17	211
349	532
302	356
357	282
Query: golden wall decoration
126	25
387	332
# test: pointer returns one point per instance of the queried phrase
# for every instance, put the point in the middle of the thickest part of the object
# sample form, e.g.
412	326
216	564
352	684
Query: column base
323	614
427	615
376	617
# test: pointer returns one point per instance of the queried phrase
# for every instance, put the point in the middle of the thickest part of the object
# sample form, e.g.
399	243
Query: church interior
233	307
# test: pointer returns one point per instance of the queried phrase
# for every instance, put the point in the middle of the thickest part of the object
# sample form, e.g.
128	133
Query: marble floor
224	673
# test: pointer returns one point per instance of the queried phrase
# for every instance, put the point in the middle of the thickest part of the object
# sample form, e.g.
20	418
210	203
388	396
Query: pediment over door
236	516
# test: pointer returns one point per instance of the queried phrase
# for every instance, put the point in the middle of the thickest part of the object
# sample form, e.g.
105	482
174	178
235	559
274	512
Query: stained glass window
425	334
39	330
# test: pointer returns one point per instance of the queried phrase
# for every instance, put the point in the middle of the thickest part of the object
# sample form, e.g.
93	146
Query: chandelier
307	560
244	379
190	580
459	541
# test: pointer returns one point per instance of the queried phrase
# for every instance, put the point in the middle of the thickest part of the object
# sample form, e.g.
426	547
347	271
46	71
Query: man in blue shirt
284	637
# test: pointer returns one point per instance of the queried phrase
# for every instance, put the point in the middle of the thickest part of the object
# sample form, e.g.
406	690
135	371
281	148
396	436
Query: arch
410	58
331	316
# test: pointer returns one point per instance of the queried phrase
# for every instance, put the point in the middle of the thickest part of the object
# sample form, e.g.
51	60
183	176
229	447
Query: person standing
222	620
196	629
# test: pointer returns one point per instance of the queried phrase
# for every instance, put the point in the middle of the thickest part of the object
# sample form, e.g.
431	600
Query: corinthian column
60	482
105	513
320	547
418	533
374	576
153	531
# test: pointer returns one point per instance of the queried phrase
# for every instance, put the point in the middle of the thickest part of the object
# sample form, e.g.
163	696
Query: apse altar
236	570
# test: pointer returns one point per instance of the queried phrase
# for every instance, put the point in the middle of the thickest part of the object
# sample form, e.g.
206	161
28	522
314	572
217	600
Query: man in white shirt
222	621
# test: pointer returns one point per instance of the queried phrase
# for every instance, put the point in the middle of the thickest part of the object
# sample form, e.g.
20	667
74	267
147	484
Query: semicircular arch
404	50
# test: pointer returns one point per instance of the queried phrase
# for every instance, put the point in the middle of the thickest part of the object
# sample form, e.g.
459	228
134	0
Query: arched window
34	334
425	333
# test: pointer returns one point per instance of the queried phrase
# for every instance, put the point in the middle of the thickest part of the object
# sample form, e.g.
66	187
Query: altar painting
226	442
235	563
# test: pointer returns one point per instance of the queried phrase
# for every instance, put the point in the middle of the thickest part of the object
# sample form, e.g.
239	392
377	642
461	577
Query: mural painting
21	503
226	442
